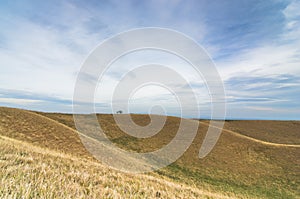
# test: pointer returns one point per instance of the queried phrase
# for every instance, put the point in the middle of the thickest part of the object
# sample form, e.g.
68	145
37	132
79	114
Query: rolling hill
252	159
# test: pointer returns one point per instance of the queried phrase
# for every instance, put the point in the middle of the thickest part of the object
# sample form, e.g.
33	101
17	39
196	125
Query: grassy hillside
287	132
237	166
29	171
42	158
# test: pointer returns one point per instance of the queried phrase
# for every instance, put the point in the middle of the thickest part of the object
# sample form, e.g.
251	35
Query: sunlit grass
29	171
46	155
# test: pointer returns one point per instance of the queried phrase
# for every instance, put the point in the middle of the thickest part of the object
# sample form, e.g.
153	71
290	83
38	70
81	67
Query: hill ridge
226	130
237	164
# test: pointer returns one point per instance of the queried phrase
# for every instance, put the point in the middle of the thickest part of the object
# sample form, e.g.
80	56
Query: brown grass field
43	157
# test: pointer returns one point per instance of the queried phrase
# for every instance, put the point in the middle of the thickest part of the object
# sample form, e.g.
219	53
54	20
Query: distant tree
119	112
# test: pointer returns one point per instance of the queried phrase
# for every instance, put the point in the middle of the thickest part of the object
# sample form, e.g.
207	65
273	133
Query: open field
271	131
29	171
252	159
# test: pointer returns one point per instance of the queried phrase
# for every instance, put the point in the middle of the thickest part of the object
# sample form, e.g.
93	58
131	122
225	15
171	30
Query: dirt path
161	180
254	139
224	130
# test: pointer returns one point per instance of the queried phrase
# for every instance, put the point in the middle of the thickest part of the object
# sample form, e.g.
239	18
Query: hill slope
41	158
28	171
237	166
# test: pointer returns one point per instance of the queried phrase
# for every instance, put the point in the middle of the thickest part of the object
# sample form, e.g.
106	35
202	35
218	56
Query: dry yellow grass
245	162
269	143
29	171
237	166
33	128
283	132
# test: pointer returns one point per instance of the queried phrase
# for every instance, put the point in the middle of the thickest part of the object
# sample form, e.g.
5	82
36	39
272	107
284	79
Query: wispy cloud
18	101
255	45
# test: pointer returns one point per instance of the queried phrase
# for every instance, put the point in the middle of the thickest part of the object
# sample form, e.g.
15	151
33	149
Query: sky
255	46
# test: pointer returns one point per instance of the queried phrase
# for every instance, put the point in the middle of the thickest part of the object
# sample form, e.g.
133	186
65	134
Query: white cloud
281	56
44	59
292	10
44	56
271	109
19	101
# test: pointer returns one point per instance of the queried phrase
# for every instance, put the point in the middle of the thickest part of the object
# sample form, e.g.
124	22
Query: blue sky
254	44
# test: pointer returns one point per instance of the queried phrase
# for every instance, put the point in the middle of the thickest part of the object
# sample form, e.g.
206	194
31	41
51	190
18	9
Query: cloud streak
255	45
